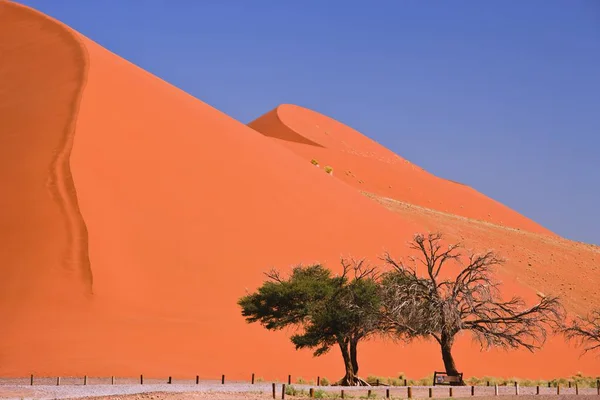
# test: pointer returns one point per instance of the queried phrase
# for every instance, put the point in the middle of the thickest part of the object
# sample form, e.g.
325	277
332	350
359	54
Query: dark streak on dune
46	66
283	133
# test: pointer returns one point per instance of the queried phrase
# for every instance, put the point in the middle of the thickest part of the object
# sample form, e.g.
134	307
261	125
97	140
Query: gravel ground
216	391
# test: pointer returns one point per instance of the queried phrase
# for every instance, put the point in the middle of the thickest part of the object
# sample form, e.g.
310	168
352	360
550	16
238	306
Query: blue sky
502	95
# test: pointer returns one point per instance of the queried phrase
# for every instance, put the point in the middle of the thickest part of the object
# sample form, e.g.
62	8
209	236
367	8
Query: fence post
404	381
430	392
450	391
537	389
197	379
558	388
409	392
318	381
31	381
58	381
169	382
517	388
598	386
488	383
311	392
549	384
289	379
141	379
377	382
472	390
496	389
253	378
369	394
273	390
283	391
576	388
387	393
342	393
569	384
223	379
112	380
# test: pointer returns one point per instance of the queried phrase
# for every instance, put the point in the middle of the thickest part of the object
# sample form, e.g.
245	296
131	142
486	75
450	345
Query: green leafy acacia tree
330	310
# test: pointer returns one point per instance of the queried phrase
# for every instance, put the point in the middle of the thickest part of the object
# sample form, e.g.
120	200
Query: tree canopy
329	309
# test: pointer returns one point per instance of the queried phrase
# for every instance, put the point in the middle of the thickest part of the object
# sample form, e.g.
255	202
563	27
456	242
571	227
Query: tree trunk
353	347
348	350
446	343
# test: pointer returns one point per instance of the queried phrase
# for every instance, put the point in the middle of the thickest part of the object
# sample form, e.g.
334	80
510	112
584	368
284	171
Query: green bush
325	381
292	391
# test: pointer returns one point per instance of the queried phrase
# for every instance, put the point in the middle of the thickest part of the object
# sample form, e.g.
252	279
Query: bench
442	378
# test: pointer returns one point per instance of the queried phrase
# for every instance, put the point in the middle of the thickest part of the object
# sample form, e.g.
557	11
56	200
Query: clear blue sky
501	95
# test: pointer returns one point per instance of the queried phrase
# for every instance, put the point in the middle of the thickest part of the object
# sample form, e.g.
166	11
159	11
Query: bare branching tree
421	299
585	331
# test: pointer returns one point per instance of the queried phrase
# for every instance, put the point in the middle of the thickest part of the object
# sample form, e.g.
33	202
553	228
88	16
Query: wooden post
598	386
141	379
85	379
387	393
289	379
576	388
283	391
549	384
430	392
197	379
569	384
311	392
112	380
253	378
537	389
377	382
369	394
58	381
496	389
404	381
273	390
318	381
472	390
169	382
488	383
450	391
223	379
409	392
31	380
342	393
558	388
516	388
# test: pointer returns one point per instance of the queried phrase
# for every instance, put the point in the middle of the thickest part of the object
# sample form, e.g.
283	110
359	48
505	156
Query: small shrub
259	379
300	381
292	391
314	162
319	394
328	169
325	381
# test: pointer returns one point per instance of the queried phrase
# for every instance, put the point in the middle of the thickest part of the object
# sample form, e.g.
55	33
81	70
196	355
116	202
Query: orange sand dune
366	165
134	216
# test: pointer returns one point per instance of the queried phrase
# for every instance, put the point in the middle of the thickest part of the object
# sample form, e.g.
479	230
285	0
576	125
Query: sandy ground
262	391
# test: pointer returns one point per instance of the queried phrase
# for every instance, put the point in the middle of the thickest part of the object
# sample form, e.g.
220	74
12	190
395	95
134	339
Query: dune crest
368	166
43	66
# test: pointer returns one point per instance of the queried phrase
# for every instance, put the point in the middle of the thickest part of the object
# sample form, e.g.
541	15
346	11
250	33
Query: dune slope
366	165
179	209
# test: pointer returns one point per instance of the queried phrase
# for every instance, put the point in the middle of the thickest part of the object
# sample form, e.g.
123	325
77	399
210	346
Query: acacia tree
441	304
329	310
585	331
